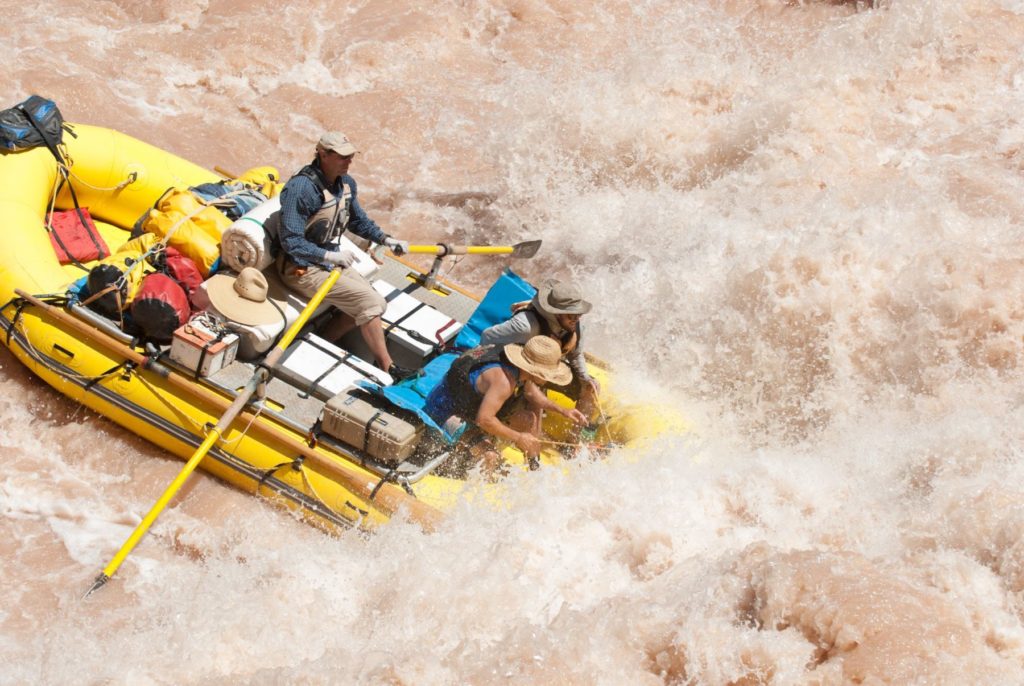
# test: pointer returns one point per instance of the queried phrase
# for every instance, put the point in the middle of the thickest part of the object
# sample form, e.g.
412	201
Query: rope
39	356
225	444
126	365
116	289
173	406
165	239
132	178
255	415
309	485
600	410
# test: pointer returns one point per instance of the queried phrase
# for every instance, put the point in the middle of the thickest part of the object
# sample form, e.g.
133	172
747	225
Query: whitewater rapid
801	226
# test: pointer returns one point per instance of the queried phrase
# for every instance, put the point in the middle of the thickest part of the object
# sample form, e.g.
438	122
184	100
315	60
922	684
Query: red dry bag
74	237
159	307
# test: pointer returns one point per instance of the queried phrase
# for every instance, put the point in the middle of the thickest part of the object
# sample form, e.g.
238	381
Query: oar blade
526	249
99	583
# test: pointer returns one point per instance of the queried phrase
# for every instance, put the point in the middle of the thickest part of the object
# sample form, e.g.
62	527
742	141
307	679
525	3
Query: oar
523	250
387	497
215	433
428	281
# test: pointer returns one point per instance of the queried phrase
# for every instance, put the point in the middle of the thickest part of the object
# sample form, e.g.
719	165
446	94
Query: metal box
195	347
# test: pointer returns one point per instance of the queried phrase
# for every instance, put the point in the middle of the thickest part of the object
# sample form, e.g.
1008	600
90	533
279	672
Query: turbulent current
802	226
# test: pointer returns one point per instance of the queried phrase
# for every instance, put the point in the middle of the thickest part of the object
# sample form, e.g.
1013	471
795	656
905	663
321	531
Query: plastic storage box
351	417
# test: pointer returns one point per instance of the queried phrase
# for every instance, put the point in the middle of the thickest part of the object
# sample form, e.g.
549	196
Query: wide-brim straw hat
243	299
541	356
555	297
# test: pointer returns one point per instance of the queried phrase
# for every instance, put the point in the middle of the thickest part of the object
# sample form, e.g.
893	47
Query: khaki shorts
351	293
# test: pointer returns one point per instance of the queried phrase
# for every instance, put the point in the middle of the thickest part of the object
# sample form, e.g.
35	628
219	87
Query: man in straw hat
318	204
480	384
555	311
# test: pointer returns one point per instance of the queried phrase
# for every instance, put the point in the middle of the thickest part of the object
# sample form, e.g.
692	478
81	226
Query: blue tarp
411	394
495	308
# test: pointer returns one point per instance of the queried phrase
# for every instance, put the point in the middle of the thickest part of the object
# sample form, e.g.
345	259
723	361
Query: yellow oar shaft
462	249
489	249
161	503
386	497
304	316
215	433
526	249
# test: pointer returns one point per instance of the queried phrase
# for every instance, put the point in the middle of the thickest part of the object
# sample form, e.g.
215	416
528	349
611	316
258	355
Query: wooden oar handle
389	497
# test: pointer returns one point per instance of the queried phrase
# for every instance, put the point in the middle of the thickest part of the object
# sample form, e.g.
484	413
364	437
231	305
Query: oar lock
430	278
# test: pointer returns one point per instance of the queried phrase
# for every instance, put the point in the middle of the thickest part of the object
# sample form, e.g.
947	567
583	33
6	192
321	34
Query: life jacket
329	222
160	306
74	237
463	396
567	339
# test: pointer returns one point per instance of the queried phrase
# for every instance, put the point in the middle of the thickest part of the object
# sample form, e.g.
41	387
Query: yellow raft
118	178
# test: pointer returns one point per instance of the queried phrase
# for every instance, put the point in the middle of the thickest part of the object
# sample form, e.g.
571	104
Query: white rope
49	210
131	178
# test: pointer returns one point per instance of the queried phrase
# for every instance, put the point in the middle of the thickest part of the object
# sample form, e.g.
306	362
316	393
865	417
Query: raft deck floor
296	405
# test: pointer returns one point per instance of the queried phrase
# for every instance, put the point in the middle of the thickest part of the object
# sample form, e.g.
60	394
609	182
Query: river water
801	226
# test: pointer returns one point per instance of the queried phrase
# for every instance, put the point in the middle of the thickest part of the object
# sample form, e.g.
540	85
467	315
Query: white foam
800	221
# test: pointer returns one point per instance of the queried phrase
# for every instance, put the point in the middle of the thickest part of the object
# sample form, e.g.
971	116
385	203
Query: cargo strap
295	464
412	333
313	437
63	169
19	305
117	295
284	322
60	241
346	360
127	365
392	476
202	353
57	300
366	430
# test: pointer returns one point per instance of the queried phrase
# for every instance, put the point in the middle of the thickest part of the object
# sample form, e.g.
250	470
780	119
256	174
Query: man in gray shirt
555	311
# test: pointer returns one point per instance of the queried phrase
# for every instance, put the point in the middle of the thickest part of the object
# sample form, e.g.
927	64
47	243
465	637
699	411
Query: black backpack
32	123
35	122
